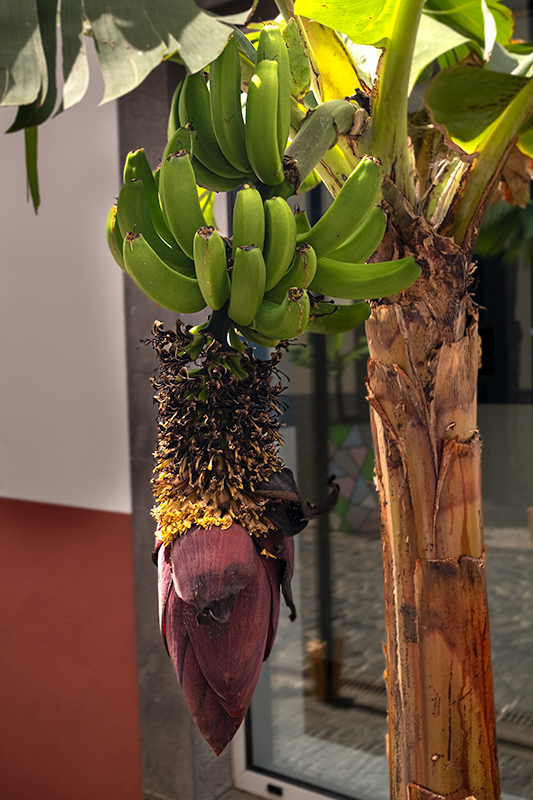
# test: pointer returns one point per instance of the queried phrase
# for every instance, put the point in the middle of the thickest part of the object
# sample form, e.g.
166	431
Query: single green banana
133	216
363	281
348	211
284	320
226	108
280	239
195	110
211	267
138	168
182	139
248	219
163	285
302	222
364	242
328	318
271	47
261	129
247	284
179	198
300	274
210	180
114	237
174	117
258	338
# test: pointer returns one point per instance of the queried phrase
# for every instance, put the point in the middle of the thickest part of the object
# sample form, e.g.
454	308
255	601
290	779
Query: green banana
133	216
300	274
210	180
179	198
261	129
280	239
174	117
348	211
162	284
258	338
181	139
302	222
138	168
211	267
285	320
114	237
361	244
247	284
248	219
328	318
272	47
363	281
226	109
195	110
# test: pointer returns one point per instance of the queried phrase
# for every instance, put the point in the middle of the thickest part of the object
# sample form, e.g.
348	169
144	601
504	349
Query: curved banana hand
286	319
211	267
157	280
348	211
271	47
280	239
179	197
363	281
261	130
248	219
114	237
226	109
247	284
301	273
133	216
194	107
365	241
328	318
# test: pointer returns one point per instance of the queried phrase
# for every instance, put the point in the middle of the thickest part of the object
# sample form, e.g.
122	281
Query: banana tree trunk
422	379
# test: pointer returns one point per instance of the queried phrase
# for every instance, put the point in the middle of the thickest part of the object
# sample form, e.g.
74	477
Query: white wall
63	412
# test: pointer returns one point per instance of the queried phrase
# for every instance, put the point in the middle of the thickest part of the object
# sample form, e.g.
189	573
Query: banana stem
219	325
390	107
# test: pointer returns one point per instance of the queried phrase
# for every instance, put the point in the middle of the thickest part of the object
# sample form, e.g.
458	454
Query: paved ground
357	720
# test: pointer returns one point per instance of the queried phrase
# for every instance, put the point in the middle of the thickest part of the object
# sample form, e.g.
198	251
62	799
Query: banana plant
441	97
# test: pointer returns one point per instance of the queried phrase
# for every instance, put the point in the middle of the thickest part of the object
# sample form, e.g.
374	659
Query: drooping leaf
333	72
22	62
472	21
42	107
32	175
75	65
433	40
364	21
466	101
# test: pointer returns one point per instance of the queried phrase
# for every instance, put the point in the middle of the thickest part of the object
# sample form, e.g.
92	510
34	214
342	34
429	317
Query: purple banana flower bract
219	608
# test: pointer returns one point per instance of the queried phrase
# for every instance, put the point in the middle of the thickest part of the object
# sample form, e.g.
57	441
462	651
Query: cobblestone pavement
357	720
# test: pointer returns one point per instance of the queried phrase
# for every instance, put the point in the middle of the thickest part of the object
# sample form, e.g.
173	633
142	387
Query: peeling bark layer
422	379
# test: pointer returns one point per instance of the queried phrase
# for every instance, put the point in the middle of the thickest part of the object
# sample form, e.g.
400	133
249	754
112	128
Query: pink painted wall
69	724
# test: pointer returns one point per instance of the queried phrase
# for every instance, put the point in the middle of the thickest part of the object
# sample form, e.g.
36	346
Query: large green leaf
434	38
131	37
364	21
467	101
470	18
42	107
75	65
22	62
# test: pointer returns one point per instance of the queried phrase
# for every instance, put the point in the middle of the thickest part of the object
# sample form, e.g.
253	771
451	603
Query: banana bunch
231	147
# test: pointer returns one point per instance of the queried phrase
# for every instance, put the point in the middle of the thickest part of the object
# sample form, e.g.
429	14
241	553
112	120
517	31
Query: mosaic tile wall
351	459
